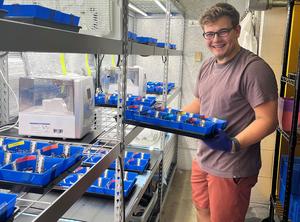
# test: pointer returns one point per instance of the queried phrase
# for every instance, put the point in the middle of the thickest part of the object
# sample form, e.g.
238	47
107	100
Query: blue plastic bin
94	157
35	11
136	164
51	168
295	176
57	150
109	188
7	205
13	156
220	123
40	12
105	184
146	40
139	155
132	36
17	145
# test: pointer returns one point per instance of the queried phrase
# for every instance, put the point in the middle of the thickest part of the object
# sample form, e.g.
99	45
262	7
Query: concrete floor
179	207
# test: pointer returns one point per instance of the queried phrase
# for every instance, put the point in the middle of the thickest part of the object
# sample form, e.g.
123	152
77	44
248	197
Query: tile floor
178	206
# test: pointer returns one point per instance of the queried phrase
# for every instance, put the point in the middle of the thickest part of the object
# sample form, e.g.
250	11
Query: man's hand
221	141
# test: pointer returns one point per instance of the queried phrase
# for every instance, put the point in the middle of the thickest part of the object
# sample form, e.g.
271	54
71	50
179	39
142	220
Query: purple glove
221	141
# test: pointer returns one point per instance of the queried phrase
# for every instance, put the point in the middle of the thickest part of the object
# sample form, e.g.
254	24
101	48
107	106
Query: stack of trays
35	163
105	100
157	87
7	206
175	121
136	162
39	15
104	185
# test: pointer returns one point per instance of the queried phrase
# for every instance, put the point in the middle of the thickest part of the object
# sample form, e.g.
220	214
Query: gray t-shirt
231	91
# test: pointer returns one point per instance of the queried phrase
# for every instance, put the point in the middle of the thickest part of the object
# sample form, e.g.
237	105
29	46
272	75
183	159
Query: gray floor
179	208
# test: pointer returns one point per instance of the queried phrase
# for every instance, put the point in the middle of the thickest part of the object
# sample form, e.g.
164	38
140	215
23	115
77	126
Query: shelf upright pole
282	92
4	91
165	96
119	190
292	145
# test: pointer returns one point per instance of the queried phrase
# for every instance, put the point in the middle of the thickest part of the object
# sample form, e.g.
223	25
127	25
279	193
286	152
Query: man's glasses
220	33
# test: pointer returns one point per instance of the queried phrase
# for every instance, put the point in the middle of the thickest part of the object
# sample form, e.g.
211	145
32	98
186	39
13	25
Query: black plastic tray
169	130
35	188
46	23
107	105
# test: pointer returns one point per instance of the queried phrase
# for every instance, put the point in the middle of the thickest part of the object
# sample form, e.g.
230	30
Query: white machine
136	80
60	106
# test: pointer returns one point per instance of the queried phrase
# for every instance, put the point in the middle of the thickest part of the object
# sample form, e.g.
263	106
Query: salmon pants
227	199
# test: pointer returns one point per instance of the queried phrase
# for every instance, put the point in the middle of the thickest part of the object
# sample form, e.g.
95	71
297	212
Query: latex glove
221	141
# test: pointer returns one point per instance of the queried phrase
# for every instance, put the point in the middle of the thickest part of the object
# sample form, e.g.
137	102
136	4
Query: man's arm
193	107
264	124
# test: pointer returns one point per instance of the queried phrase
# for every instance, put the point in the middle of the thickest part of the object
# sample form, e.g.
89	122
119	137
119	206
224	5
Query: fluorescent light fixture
161	5
136	9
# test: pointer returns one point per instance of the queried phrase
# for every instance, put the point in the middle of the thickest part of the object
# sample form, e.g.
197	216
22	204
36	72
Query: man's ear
238	30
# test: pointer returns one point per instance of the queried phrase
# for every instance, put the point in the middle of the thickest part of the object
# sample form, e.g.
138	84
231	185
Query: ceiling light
161	5
136	9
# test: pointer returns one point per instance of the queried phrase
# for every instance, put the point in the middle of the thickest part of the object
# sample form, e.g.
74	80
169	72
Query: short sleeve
258	83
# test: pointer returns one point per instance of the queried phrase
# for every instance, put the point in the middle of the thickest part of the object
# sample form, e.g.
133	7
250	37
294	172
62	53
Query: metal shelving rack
20	37
291	61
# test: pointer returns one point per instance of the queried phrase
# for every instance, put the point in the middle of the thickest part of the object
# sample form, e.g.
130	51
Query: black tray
46	23
169	130
18	187
106	105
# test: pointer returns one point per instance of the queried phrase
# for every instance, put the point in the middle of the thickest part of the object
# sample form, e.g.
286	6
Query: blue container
17	145
146	40
104	185
67	19
94	158
40	12
7	205
132	36
173	46
51	168
295	176
109	188
135	164
1	3
293	200
100	99
57	150
206	130
220	123
69	180
33	11
12	157
113	100
139	155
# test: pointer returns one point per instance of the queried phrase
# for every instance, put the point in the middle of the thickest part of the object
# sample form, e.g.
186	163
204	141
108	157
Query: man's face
224	44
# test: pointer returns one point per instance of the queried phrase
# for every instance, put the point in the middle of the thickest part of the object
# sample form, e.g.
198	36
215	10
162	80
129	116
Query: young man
240	87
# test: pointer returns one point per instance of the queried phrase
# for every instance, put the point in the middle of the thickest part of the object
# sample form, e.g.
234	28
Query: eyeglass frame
225	30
